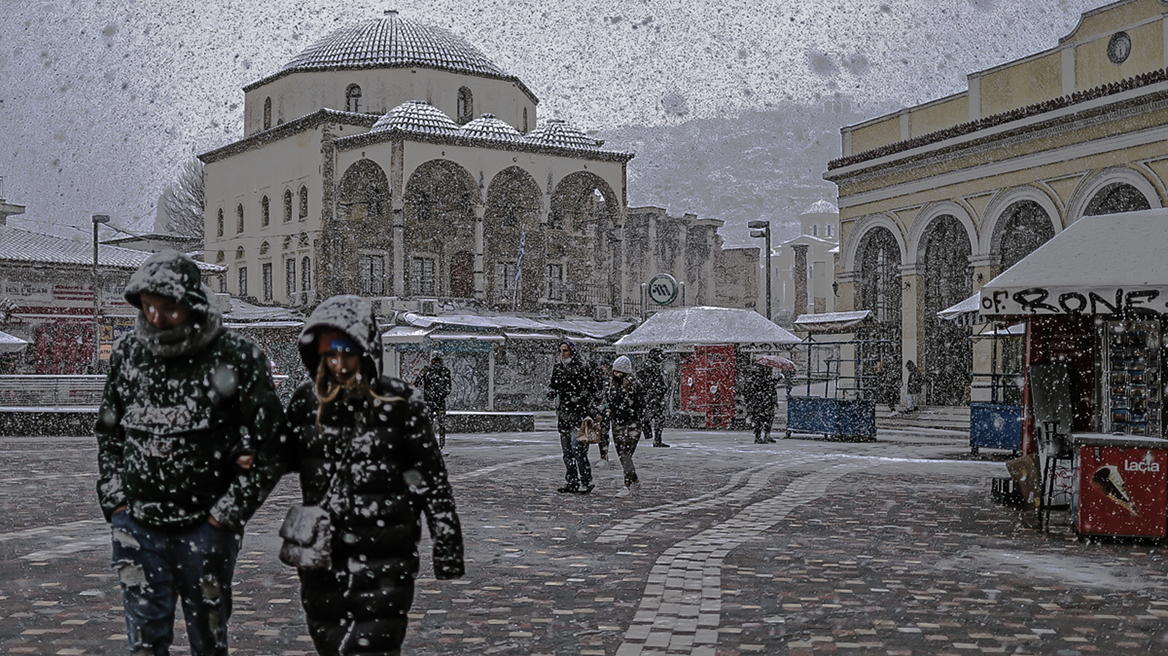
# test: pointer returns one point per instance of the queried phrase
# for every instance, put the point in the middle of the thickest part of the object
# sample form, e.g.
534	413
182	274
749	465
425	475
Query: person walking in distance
916	385
574	388
185	400
624	410
364	447
652	377
435	383
761	397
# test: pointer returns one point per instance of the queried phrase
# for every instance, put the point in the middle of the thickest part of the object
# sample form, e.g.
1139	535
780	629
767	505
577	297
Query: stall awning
1108	264
404	335
683	329
964	313
831	322
11	343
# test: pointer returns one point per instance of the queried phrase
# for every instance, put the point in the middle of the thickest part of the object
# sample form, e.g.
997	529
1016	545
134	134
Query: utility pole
97	220
762	229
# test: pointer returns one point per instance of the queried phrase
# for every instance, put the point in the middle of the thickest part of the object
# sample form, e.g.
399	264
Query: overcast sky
103	99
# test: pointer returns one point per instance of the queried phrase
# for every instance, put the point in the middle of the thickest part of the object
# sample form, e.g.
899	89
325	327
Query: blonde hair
328	389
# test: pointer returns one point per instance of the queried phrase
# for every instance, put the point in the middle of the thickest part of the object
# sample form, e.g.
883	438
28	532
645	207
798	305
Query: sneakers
625	493
636	487
661	444
568	489
585	489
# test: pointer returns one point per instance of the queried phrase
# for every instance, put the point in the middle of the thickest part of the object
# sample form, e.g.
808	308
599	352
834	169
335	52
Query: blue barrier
841	419
995	426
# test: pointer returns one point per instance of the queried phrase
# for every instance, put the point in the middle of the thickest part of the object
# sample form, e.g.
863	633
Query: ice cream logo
1108	480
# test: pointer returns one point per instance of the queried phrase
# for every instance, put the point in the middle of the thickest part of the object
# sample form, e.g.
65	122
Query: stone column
397	220
480	277
799	276
912	284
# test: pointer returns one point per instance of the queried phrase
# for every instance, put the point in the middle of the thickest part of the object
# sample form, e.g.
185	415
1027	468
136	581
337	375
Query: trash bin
1121	485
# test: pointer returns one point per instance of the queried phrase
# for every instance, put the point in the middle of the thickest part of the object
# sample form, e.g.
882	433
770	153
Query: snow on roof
417	116
242	312
1097	265
831	321
693	326
11	343
821	207
557	132
964	313
488	126
26	247
501	323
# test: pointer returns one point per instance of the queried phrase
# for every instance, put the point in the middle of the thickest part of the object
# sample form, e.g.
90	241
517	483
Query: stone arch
942	265
439	220
583	209
512	225
361	223
1118	177
851	246
1003	205
879	256
928	215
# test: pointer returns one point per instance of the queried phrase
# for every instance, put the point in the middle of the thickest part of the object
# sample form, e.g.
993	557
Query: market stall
836	397
1094	300
707	351
995	404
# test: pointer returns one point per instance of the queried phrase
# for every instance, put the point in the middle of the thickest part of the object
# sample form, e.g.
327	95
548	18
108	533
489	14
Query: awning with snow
1109	264
11	343
682	329
964	313
832	322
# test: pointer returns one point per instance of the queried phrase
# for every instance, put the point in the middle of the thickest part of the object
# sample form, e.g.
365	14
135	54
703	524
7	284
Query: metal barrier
48	391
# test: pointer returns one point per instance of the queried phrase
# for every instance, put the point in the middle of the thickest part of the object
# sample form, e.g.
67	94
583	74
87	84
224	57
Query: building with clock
937	199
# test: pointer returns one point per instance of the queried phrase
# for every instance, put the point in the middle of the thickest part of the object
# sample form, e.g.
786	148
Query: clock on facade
1119	47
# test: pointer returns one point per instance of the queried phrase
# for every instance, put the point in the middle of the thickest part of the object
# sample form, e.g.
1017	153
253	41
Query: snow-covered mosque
393	160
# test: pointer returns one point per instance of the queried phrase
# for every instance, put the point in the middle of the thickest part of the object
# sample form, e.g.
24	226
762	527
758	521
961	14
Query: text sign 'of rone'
662	289
1039	300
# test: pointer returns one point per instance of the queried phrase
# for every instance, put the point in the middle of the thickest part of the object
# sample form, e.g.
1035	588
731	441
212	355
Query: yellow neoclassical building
937	199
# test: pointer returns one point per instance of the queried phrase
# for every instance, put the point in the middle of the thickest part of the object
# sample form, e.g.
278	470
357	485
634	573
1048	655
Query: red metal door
715	365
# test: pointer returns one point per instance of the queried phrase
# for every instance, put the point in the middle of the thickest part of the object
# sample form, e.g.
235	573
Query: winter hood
172	275
350	315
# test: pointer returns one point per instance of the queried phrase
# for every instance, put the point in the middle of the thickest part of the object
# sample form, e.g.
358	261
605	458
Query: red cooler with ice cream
1121	485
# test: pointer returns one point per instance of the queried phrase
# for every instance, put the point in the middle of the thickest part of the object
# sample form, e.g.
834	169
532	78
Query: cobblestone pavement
799	547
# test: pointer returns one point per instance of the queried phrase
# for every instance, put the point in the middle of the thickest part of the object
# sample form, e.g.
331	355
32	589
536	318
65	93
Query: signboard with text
1054	300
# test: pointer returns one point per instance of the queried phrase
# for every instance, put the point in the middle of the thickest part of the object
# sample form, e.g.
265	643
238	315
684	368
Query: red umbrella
776	361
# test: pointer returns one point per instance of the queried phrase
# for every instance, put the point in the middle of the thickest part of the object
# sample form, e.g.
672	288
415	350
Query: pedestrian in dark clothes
916	385
435	383
187	449
652	377
365	449
624	410
761	397
574	388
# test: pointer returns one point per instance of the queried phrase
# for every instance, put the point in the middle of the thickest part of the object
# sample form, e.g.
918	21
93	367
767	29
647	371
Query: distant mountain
754	165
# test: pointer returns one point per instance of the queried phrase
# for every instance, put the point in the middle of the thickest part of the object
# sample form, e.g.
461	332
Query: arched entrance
1023	227
945	353
439	222
364	244
584	209
878	257
1115	198
514	252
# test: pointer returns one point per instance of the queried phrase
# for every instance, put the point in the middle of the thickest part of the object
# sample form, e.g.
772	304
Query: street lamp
762	229
97	219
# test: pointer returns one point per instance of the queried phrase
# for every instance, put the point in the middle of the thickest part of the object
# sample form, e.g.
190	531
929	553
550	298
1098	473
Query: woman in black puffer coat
365	449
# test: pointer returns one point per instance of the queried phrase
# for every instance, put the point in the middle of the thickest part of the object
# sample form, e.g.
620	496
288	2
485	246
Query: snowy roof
508	324
964	312
692	326
488	126
1097	265
242	312
557	132
26	247
416	116
831	321
821	207
11	343
393	42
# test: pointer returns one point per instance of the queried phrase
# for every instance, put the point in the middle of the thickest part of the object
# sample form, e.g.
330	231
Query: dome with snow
557	132
393	42
416	116
821	207
489	127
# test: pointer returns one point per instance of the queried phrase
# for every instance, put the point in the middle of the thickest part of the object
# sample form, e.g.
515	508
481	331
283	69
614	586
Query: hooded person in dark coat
761	397
435	383
185	398
574	387
652	377
365	449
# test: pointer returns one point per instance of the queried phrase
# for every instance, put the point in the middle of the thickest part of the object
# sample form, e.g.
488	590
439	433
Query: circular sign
662	289
1119	47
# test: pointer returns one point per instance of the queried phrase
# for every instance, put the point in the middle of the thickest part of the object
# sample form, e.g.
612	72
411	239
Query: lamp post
762	229
97	219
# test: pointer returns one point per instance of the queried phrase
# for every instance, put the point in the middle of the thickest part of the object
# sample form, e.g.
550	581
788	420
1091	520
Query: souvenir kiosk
836	395
1094	300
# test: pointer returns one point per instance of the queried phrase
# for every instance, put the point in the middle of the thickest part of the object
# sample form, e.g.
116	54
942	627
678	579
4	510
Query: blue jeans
578	469
157	567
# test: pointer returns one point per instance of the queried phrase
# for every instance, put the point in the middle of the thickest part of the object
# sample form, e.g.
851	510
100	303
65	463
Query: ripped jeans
157	567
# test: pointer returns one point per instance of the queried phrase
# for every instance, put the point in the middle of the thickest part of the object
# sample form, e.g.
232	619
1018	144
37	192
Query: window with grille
506	272
555	282
303	203
267	113
287	205
238	218
422	278
305	274
353	99
265	212
266	271
290	276
242	281
371	274
219	223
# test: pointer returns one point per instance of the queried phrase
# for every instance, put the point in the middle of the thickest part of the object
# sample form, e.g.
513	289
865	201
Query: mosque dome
418	117
488	126
393	42
557	132
821	207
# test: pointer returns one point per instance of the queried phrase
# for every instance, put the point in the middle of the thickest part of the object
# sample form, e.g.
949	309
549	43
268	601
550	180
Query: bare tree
185	199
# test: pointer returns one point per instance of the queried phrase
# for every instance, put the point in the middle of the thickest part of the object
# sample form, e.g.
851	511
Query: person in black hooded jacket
366	452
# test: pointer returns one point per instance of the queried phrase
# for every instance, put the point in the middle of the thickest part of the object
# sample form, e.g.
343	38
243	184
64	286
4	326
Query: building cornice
285	130
381	136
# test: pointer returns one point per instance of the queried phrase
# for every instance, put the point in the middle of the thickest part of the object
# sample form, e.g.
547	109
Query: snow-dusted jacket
179	407
625	401
574	386
389	471
652	377
435	380
761	394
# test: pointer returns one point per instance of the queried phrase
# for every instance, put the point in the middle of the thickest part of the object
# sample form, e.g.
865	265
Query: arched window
239	253
465	106
303	203
265	212
239	218
524	119
264	248
353	99
828	227
219	257
219	223
287	205
305	274
267	113
814	229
